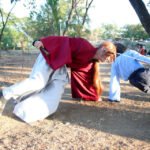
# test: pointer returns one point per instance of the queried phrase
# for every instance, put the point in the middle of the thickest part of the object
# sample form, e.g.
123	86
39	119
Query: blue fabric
122	68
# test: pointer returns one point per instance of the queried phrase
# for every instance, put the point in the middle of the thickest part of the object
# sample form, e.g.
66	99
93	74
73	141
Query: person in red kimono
41	92
81	56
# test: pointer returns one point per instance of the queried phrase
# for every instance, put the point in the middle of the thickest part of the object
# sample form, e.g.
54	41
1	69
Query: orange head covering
110	49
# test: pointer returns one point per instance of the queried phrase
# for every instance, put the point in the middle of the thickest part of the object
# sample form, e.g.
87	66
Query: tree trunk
86	11
142	13
4	23
69	16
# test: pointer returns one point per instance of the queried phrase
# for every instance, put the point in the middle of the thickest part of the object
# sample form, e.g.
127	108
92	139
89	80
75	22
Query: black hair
120	48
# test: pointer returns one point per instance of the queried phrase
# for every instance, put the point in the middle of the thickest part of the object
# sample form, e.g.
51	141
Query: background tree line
64	17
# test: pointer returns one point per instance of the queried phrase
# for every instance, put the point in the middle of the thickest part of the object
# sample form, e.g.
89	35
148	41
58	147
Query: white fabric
40	105
43	90
36	81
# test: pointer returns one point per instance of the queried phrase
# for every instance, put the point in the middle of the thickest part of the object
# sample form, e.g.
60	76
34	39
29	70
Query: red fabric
81	83
76	53
59	49
142	51
82	52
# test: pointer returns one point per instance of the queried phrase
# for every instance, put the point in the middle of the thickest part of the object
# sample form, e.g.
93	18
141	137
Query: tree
14	37
109	31
59	17
142	13
134	32
77	15
54	4
5	18
41	22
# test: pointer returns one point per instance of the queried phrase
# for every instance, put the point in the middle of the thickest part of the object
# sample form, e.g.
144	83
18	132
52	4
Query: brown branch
69	16
2	17
142	13
4	23
86	10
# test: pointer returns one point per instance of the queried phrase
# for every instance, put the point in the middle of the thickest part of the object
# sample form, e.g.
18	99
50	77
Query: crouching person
40	94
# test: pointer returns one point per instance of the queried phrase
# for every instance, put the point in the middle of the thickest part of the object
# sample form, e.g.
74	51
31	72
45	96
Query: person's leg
146	76
36	81
141	79
42	104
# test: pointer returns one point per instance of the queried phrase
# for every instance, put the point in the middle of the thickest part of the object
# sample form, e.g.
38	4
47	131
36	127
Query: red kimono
76	53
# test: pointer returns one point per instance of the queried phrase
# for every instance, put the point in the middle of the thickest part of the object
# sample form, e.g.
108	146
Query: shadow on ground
133	124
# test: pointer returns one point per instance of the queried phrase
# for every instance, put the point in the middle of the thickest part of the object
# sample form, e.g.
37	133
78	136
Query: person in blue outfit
128	65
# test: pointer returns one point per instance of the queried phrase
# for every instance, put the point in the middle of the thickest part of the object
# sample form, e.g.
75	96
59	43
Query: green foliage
54	4
40	23
51	20
13	39
109	31
134	32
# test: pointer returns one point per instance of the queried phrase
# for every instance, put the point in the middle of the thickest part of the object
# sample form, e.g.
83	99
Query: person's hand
38	44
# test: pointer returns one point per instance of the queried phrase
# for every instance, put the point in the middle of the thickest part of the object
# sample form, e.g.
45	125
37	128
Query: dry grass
76	125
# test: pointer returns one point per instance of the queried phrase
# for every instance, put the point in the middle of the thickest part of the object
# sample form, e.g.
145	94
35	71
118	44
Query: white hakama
40	94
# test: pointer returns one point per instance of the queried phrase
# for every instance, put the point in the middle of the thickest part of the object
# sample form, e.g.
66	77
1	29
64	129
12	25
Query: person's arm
114	88
140	57
96	80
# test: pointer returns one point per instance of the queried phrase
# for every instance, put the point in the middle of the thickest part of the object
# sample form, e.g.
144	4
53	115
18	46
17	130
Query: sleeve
140	57
114	89
59	51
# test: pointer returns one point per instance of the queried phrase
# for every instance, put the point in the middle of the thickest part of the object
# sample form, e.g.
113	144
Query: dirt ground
77	125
